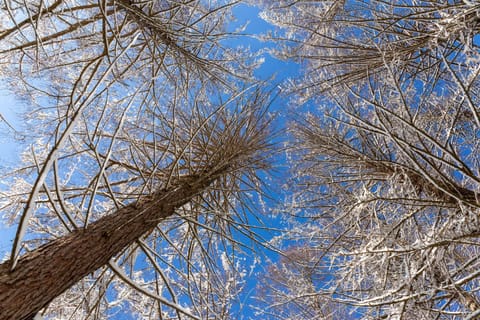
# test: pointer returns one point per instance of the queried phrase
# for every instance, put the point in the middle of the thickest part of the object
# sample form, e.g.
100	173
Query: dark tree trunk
47	272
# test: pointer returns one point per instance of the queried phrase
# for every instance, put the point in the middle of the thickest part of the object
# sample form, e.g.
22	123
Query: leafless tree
386	161
135	195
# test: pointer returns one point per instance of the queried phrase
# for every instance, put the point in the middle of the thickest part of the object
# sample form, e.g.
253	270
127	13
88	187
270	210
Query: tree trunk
48	271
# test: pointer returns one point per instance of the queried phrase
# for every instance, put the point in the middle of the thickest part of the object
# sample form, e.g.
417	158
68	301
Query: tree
387	177
144	143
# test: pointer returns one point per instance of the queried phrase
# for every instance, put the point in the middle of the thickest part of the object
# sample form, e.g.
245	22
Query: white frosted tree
135	193
385	193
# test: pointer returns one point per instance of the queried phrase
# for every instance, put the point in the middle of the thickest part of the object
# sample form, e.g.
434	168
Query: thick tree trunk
47	272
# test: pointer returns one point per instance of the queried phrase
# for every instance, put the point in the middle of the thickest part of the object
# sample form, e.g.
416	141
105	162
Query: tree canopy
153	181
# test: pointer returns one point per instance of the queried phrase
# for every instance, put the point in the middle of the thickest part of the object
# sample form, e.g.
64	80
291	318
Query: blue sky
10	107
256	26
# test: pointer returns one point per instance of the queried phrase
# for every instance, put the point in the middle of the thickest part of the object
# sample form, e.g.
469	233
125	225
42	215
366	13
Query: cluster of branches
149	141
146	136
386	168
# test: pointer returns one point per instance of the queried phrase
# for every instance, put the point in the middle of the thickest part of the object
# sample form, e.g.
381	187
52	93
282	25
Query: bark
48	271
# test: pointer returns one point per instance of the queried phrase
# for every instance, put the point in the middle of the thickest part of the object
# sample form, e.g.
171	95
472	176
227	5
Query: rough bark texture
47	272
